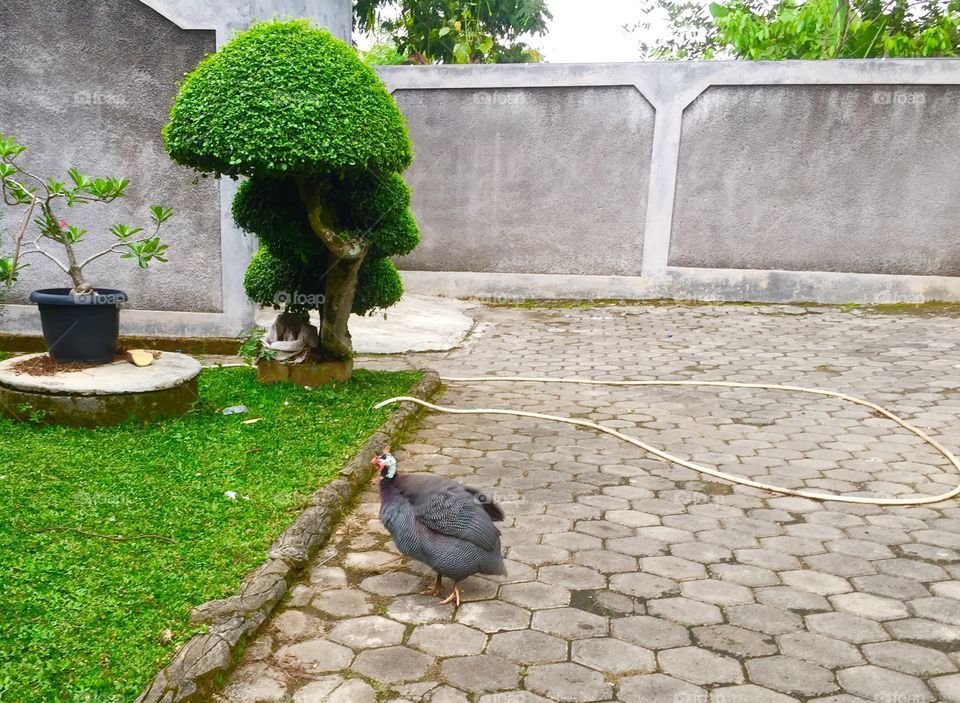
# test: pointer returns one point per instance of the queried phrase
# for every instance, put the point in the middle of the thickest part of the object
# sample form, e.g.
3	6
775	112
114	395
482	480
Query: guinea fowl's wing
445	506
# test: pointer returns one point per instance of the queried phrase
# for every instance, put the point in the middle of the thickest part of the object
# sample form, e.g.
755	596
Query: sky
590	31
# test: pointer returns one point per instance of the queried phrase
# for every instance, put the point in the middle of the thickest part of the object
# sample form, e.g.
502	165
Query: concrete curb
232	621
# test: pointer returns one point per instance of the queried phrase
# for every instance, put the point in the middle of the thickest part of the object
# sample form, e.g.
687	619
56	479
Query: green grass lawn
81	617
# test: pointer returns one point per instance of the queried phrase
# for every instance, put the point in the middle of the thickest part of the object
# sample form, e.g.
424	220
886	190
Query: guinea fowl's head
386	463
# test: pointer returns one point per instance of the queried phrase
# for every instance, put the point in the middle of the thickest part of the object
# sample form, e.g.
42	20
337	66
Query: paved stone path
638	581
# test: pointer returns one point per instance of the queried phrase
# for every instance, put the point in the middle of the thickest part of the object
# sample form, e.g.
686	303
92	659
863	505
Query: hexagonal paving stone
368	632
860	548
370	561
572	576
397	583
643	585
650	632
447	640
684	610
419	610
631	518
392	664
700	666
790	675
648	688
480	673
819	649
493	616
702	552
874	682
535	595
744	574
344	603
763	618
317	656
606	562
326	577
945	610
568	683
569	623
908	658
513	697
539	554
528	647
673	568
716	592
573	541
446	694
867	605
749	694
947	687
318	691
786	598
256	684
738	641
606	654
849	628
352	691
295	624
816	582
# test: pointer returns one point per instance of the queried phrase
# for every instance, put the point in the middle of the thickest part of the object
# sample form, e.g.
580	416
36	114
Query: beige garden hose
683	462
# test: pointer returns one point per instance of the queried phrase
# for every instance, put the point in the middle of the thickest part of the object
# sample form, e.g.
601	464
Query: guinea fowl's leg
455	596
436	589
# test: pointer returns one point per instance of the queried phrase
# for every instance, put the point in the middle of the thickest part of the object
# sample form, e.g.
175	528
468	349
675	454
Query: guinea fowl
444	524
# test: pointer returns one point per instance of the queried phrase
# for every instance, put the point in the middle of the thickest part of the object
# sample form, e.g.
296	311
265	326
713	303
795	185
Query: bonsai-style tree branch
44	195
322	143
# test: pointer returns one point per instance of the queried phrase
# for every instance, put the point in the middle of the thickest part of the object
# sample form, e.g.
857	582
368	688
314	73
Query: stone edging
232	621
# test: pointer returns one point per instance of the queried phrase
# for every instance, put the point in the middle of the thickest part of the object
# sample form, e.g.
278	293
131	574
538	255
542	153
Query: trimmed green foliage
323	145
285	98
379	286
377	209
82	618
271	210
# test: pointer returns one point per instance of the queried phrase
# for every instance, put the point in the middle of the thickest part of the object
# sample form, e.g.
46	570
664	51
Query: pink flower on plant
63	224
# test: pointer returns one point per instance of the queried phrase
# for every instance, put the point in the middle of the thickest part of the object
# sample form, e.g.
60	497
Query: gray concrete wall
790	181
820	178
89	84
505	193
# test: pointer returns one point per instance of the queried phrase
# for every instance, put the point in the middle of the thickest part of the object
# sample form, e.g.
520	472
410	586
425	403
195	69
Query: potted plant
81	323
322	144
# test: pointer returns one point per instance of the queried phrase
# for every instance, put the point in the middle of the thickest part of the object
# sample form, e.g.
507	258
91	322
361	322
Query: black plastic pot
80	327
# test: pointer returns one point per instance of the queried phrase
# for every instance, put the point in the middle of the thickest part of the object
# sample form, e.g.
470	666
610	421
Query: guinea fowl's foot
453	597
436	589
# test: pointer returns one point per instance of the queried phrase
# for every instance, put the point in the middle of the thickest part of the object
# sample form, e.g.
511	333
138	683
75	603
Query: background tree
454	31
813	29
323	145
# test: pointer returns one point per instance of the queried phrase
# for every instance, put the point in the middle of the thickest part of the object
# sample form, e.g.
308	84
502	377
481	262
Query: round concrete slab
101	395
168	371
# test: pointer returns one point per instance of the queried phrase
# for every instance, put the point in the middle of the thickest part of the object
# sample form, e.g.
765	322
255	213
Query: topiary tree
323	145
